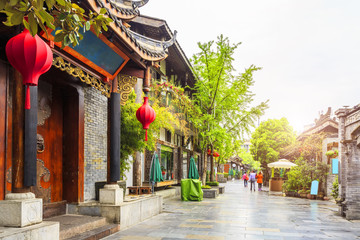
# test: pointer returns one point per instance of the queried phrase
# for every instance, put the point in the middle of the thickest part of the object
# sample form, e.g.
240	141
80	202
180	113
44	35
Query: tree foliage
248	159
270	139
223	97
67	18
132	133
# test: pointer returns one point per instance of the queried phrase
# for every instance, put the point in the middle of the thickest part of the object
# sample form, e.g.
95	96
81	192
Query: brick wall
95	140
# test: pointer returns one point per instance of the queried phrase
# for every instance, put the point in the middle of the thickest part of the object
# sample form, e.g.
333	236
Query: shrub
212	183
335	188
205	187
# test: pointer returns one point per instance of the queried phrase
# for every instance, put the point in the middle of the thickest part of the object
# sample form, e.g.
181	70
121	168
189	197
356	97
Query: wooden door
3	103
50	143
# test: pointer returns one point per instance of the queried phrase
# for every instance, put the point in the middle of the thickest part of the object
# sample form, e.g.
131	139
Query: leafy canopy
223	97
68	18
271	138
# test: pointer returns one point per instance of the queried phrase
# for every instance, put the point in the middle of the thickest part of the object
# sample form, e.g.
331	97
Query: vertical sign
335	166
314	187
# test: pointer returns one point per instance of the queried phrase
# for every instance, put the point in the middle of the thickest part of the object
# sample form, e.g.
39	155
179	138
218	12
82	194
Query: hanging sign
97	52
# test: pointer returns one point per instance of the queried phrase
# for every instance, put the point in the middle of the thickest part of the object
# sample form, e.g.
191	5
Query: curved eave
119	10
134	40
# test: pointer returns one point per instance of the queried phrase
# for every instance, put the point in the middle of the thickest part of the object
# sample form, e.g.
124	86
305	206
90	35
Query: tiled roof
151	47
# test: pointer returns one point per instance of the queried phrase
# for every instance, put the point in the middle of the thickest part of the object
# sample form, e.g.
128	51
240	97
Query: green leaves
54	14
224	98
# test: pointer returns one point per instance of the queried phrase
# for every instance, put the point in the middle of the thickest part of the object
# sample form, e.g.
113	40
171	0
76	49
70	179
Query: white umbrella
282	163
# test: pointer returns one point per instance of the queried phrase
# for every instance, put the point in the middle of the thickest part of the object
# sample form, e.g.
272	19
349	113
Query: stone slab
111	194
210	193
42	231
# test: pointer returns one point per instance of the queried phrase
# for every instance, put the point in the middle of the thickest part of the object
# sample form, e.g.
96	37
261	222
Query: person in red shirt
259	178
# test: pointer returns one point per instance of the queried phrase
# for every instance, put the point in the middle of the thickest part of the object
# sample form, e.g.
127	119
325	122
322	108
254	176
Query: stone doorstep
71	224
42	231
97	233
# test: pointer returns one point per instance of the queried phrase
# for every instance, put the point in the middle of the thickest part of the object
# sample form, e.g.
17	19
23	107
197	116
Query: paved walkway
241	214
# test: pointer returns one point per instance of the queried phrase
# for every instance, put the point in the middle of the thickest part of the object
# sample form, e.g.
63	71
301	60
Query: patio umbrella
155	171
193	172
282	163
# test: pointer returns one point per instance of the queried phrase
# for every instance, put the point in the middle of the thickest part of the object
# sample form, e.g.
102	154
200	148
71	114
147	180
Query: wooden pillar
17	185
114	136
30	139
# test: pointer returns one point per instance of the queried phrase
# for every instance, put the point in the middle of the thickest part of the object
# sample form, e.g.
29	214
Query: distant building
328	125
246	145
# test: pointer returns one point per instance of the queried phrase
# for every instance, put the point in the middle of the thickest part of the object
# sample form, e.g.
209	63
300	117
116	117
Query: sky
309	50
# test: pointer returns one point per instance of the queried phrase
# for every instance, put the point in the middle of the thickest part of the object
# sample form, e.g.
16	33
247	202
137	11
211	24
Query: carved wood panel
50	128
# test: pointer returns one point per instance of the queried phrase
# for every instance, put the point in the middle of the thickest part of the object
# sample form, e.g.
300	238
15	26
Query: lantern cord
146	135
27	97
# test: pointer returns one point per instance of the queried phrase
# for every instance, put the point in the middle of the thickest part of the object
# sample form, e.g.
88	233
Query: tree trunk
204	168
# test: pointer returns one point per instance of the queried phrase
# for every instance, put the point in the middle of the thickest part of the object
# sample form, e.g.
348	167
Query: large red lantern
146	115
31	56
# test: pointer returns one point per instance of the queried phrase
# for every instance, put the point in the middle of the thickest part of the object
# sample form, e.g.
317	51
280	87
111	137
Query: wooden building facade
174	150
74	104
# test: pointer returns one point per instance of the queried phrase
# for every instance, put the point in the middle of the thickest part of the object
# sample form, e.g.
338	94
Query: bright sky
309	49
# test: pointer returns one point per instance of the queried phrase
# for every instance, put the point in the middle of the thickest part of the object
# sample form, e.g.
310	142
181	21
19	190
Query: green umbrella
231	172
155	171
193	172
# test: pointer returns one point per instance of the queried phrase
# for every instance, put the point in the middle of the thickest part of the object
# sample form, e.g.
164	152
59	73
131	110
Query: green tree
68	18
248	159
223	98
132	133
269	139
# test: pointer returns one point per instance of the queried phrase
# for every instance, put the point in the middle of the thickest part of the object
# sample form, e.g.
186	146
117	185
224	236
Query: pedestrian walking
252	180
259	178
245	178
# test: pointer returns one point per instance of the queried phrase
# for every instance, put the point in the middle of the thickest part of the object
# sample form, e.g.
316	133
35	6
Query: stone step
72	224
97	233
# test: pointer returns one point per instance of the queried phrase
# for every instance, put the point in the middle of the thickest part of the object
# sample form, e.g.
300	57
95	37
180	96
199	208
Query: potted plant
332	153
303	193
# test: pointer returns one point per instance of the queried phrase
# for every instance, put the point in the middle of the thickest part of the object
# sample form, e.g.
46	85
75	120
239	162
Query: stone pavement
241	214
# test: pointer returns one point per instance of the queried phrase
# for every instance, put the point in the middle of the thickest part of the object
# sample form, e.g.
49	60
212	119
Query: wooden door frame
73	144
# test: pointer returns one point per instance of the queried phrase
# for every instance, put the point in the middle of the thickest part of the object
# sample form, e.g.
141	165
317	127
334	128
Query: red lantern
216	154
31	56
146	115
209	152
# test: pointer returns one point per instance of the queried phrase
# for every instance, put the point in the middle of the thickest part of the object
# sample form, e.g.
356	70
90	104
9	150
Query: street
241	214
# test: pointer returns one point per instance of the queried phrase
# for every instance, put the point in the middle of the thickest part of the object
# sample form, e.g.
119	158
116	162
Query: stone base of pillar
20	210
111	194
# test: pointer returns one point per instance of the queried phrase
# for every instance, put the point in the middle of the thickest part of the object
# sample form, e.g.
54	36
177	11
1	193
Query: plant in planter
302	193
332	153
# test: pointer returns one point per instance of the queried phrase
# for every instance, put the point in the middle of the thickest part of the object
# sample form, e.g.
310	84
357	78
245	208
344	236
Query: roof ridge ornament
138	4
170	42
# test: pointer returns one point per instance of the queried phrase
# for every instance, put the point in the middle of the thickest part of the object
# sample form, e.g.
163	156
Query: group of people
252	177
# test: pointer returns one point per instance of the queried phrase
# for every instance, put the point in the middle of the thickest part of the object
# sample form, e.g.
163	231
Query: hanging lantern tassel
31	56
146	115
